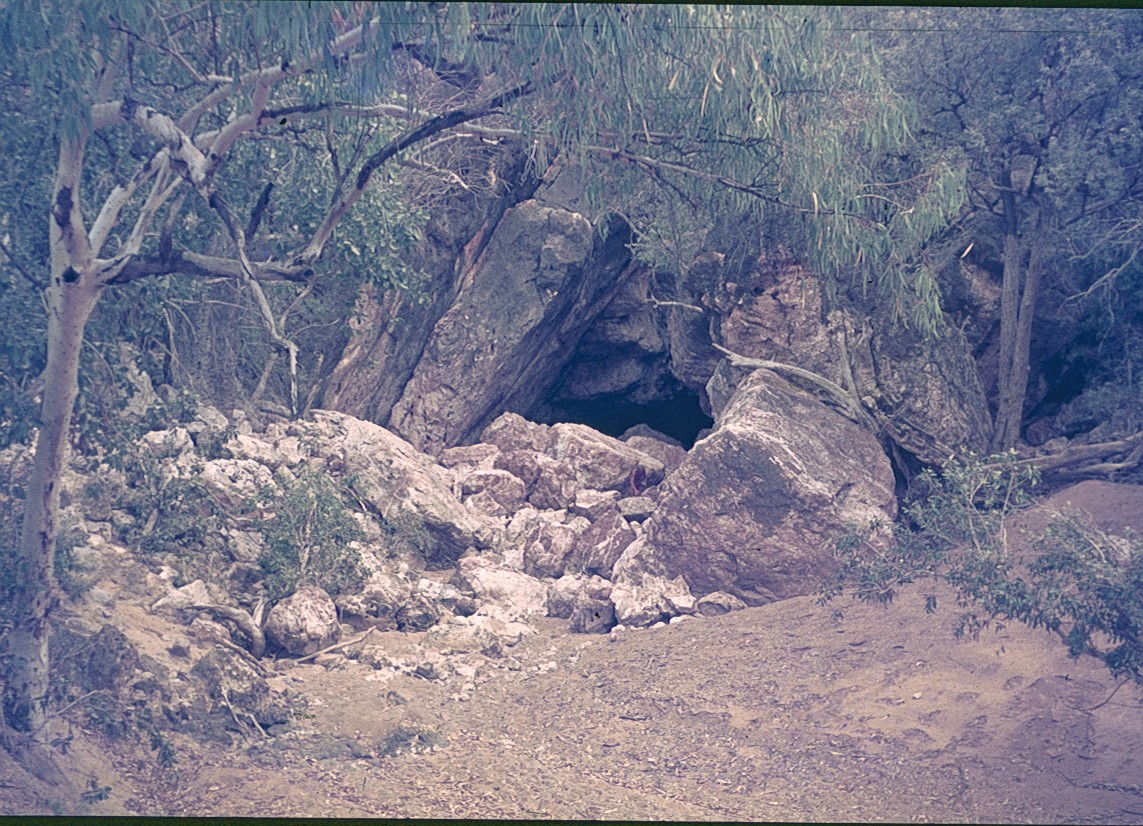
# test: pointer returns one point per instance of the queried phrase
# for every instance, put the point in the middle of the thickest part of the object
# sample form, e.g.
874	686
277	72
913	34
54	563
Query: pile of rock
563	521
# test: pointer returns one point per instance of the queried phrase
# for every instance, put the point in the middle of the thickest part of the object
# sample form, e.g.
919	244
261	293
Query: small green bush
1074	580
308	537
405	533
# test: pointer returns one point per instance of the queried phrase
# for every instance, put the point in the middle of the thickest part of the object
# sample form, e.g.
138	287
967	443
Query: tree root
243	620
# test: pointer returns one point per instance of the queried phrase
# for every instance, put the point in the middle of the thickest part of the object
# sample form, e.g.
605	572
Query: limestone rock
717	603
466	635
167	443
473	456
234	686
304	622
927	392
752	508
647	599
562	594
511	431
194	593
505	623
600	546
418	614
235	481
505	331
602	462
447	596
636	508
548	484
504	491
591	616
394	477
593	504
547	549
668	450
517	593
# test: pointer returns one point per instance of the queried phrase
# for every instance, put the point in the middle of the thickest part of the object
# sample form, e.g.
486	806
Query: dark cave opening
680	416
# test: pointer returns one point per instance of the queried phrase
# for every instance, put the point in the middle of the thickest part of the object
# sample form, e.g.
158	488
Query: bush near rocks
309	536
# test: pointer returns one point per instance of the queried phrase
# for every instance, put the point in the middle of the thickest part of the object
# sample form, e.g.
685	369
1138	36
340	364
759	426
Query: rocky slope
572	638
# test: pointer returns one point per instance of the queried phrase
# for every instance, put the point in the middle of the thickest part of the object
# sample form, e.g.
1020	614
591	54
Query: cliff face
532	310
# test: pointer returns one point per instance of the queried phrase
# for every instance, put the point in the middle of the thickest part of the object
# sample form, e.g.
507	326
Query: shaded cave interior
676	413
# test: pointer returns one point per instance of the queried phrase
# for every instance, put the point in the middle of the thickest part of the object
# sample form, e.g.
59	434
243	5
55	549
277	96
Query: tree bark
1023	269
72	293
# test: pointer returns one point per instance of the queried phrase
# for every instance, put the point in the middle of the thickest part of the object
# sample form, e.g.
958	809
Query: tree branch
185	262
846	400
31	279
431	127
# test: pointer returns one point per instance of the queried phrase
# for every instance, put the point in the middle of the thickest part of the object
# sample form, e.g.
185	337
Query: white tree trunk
72	293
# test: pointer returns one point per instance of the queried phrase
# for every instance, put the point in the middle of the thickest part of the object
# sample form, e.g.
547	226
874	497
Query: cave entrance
679	416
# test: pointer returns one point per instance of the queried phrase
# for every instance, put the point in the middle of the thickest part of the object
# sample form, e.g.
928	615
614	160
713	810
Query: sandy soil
783	712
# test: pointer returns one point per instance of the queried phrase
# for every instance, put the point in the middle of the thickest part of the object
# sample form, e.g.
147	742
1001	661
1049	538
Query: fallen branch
1100	459
245	624
835	392
335	647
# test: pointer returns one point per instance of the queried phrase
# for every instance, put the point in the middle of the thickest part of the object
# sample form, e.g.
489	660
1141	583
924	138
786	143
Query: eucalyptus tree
155	113
1045	107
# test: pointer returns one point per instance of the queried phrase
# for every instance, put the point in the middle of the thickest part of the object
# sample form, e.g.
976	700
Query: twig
335	646
1109	696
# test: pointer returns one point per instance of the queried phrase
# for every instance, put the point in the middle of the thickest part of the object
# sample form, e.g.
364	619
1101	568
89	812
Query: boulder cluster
565	522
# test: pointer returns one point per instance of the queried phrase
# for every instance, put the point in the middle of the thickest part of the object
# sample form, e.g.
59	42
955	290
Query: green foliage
71	575
308	537
405	533
1070	578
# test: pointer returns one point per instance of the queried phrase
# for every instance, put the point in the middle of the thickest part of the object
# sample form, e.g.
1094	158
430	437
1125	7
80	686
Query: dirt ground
783	712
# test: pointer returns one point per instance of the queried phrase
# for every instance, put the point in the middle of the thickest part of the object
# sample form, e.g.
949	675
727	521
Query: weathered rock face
394	477
234	685
515	320
928	392
751	509
304	622
582	456
925	392
391	327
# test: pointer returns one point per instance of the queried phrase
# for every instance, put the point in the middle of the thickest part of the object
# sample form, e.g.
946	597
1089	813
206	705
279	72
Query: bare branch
185	262
431	127
845	399
115	202
35	282
269	76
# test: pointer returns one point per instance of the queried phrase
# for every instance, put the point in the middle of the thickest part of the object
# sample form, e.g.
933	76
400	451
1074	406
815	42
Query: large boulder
517	315
549	546
377	603
394	477
923	390
494	492
234	482
511	431
603	462
752	509
235	687
516	593
642	598
562	458
304	622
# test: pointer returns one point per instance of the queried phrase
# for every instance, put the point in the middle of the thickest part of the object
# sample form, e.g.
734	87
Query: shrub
1074	579
308	537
